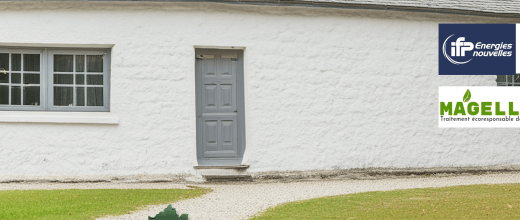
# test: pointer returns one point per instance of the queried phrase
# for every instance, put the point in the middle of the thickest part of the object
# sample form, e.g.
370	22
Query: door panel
210	96
211	131
227	67
228	139
226	96
209	68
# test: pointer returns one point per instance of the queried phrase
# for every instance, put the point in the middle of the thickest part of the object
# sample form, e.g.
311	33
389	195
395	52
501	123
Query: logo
486	107
458	48
467	96
477	49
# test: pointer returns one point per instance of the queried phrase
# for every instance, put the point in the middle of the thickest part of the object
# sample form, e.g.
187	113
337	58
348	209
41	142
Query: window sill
58	117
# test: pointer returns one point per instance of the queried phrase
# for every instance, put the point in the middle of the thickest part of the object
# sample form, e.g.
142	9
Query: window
54	80
508	80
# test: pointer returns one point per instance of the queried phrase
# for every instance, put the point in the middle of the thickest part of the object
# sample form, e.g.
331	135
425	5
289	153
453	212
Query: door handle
235	111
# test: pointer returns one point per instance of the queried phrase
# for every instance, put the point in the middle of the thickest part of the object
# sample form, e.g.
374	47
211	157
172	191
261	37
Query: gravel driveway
240	201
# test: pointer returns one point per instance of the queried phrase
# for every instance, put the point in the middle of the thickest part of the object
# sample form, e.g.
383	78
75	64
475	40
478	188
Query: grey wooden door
218	108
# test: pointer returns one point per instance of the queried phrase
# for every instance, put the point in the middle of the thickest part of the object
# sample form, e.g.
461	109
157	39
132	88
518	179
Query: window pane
4	62
16	95
80	79
31	95
4	78
514	78
63	96
31	78
80	96
94	79
95	96
4	95
94	63
63	78
63	63
80	63
16	78
16	62
31	62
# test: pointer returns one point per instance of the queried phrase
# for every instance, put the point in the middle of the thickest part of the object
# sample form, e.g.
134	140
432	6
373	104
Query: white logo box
479	94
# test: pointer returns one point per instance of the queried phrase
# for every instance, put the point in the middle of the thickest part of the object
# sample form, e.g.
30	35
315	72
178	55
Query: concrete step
224	173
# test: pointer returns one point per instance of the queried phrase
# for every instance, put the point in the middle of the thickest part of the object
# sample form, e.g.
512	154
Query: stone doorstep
228	178
222	167
224	173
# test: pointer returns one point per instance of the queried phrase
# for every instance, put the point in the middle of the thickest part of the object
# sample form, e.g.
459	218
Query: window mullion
74	80
50	83
21	78
10	78
85	80
43	80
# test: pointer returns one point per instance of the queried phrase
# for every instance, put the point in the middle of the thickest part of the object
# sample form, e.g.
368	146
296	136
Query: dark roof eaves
410	7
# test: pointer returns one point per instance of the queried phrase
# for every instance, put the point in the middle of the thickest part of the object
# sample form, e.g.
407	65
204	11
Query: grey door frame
240	108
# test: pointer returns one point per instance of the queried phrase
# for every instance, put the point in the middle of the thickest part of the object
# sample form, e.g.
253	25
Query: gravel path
239	201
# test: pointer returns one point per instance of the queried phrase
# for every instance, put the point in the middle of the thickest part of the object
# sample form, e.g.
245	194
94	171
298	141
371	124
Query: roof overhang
489	8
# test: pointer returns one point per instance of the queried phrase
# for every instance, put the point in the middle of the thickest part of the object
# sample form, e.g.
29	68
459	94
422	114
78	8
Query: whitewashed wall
325	89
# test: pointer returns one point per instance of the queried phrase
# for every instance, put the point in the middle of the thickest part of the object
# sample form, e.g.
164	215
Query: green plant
169	213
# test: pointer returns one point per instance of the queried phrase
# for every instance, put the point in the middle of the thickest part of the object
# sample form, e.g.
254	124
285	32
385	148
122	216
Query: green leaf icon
467	96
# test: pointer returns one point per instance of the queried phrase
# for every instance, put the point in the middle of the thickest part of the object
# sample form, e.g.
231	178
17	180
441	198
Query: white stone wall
325	89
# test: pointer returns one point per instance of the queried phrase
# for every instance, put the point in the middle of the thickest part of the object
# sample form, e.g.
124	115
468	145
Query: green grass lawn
85	204
460	202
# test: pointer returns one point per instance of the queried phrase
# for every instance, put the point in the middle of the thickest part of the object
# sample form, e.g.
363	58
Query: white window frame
47	84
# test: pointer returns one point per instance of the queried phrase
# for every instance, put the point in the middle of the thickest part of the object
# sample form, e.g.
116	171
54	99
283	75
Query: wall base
241	174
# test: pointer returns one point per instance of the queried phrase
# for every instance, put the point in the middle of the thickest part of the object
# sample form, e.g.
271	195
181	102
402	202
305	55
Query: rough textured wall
325	89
